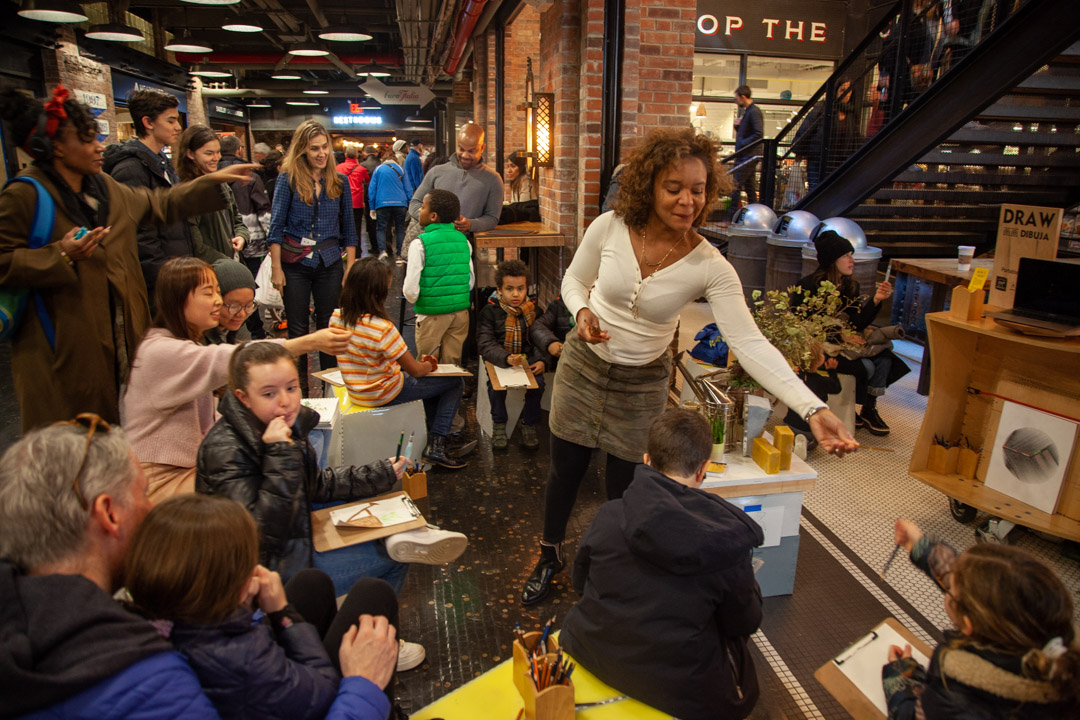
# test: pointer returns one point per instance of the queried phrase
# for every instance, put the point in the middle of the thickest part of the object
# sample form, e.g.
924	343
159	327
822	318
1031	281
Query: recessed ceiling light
259	104
114	32
242	28
307	49
417	119
301	102
183	43
373	74
285	76
54	11
316	92
343	33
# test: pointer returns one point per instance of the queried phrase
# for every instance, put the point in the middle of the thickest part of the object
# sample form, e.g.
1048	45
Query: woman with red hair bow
72	355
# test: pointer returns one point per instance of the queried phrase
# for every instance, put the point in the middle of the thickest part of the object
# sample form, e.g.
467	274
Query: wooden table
522	234
986	356
923	285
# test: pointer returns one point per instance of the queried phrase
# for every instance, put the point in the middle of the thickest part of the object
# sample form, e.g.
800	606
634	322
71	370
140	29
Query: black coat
248	673
132	163
278	482
491	332
669	599
553	326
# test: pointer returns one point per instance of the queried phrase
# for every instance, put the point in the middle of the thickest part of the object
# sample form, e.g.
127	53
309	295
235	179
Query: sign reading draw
795	28
397	94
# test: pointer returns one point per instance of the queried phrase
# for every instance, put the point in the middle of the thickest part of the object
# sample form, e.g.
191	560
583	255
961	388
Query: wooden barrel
747	253
783	262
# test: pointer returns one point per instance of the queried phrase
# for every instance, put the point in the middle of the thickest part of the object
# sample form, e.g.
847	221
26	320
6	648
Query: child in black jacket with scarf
505	338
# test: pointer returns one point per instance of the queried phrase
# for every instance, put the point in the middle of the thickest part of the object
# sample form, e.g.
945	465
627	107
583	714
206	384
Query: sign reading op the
782	28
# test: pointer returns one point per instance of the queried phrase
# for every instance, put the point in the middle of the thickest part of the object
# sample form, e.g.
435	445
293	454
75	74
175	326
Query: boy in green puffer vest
439	279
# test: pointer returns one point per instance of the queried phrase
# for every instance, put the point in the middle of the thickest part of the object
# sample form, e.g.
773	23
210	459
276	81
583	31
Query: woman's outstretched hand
234	173
588	328
831	433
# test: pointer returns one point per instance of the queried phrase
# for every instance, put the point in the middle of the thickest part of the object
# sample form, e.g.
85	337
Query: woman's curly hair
662	148
21	112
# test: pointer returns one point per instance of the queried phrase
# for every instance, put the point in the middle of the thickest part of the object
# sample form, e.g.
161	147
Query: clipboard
327	536
846	692
493	377
449	370
331	376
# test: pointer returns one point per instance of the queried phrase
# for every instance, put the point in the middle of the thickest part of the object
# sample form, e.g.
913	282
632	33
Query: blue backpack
13	301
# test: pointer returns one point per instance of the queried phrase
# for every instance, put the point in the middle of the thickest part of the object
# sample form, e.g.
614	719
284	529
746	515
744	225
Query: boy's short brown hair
510	268
679	442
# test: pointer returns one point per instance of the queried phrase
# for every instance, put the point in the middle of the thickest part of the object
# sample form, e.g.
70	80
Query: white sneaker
428	546
409	655
382	255
400	260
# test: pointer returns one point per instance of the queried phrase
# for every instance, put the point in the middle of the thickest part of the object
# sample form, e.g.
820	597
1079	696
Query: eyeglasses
246	309
92	422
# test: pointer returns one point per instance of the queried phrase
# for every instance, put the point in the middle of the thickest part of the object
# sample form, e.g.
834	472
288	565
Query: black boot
538	586
436	454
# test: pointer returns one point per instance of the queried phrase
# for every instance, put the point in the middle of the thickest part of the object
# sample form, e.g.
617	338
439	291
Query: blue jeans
529	416
348	564
384	216
877	373
301	283
441	396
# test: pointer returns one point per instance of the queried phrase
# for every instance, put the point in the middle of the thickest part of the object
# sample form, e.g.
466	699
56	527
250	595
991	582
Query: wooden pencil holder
966	304
952	456
967	463
521	659
935	461
553	703
414	484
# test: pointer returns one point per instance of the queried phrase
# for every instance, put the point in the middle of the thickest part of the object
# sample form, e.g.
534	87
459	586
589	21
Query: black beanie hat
232	275
831	246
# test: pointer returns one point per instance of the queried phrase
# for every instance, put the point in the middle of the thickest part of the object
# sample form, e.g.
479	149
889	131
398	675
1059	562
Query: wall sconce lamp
540	122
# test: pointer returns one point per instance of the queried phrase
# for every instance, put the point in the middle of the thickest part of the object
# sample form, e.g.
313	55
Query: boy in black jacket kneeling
668	595
504	337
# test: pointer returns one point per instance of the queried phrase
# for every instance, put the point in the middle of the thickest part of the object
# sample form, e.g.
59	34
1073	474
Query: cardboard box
1023	231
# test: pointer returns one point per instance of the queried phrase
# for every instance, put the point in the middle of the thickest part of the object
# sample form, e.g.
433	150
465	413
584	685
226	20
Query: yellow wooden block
766	456
784	439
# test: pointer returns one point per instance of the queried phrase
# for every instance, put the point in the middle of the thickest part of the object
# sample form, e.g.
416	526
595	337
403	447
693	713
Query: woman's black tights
311	592
569	462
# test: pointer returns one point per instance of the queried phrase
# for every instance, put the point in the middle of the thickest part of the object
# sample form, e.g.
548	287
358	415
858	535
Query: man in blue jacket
414	162
748	130
71	496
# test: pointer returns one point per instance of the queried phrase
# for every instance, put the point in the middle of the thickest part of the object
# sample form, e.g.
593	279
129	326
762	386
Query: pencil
888	562
400	441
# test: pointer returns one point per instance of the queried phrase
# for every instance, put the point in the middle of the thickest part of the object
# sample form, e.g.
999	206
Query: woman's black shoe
538	586
874	423
436	454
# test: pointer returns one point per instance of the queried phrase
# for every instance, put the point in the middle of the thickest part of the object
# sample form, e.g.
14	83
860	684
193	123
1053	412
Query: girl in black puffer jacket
1014	652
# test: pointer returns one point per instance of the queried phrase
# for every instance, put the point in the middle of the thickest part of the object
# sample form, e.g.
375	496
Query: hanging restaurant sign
784	28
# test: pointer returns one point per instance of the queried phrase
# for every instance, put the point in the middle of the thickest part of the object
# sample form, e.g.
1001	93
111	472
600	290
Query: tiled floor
463	613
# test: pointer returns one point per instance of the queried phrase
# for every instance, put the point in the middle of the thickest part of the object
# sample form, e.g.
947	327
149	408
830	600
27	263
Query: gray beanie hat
232	275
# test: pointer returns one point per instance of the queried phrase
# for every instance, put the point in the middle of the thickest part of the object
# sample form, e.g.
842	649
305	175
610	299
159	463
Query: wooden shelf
987	357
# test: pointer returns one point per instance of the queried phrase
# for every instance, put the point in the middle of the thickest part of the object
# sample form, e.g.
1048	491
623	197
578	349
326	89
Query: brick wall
196	113
522	42
65	65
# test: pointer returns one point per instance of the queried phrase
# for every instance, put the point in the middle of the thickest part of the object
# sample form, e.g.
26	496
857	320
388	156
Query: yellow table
492	696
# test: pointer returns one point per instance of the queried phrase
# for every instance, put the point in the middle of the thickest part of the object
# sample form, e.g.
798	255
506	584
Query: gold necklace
645	262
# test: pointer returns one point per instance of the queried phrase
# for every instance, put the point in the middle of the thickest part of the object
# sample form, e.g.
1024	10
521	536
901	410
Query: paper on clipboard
861	663
376	513
449	370
326	536
332	376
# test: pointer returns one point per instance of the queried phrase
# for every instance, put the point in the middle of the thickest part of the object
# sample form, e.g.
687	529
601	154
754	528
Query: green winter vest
444	281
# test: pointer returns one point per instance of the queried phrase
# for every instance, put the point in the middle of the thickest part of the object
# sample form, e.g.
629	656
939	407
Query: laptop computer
1047	300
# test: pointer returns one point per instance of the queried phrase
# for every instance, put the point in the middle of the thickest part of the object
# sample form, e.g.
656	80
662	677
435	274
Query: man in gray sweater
478	187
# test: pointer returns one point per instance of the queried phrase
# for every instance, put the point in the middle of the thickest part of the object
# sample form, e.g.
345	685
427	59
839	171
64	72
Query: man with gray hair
260	151
71	497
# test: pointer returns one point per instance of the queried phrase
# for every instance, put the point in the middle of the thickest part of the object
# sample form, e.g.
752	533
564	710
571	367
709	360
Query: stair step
1048	113
1053	84
1047	179
881	211
1061	159
974	136
954	196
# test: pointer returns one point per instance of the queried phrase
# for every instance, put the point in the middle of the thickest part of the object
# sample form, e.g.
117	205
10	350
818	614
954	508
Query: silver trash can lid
845	228
796	225
866	253
756	216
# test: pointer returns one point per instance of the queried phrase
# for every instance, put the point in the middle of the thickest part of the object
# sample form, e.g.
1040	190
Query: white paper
327	409
333	377
510	377
1029	456
771	520
863	660
392	511
448	369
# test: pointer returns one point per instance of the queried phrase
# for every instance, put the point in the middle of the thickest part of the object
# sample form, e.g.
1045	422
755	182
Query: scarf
525	314
78	205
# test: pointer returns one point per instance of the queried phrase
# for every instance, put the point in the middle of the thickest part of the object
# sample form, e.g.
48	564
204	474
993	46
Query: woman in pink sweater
169	404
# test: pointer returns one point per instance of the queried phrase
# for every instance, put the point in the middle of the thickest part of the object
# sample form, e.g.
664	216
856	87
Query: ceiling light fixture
308	49
316	92
183	43
417	119
208	73
285	76
259	104
54	11
343	33
114	32
301	102
242	28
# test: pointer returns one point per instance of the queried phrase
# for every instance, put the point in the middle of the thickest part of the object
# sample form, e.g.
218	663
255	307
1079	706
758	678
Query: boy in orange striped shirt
377	367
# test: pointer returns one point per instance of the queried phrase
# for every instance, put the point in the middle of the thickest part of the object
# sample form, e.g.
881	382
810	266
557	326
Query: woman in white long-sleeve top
635	270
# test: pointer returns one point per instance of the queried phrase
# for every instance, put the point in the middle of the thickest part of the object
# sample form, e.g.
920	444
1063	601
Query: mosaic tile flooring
463	613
